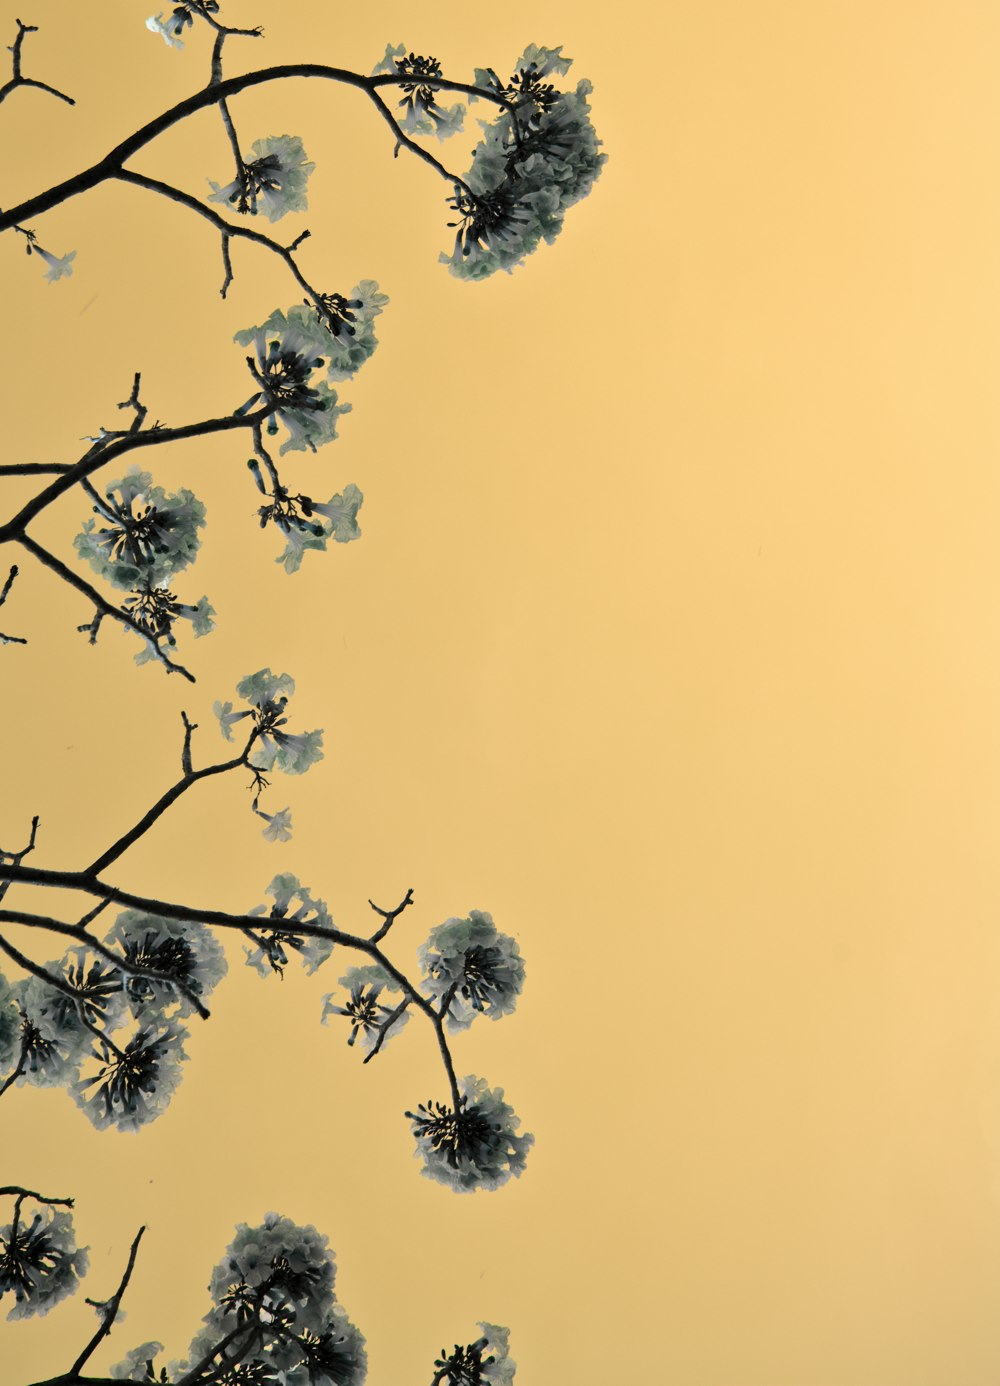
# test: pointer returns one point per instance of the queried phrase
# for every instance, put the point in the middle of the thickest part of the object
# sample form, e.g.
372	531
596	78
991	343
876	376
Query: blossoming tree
108	1020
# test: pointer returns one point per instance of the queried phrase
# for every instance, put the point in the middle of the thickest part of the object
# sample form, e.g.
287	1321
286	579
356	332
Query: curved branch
111	164
95	458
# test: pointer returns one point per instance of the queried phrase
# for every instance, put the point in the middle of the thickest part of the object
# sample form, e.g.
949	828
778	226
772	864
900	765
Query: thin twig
390	916
56	565
17	78
111	1311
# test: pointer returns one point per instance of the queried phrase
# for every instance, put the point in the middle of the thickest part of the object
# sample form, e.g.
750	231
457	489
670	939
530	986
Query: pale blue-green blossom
339	330
189	954
40	1262
10	1027
279	825
278	1263
486	1362
422	114
273	181
341	525
475	1147
133	1367
281	929
524	180
146	535
363	1007
59	266
171	28
273	746
478	970
55	1036
131	1086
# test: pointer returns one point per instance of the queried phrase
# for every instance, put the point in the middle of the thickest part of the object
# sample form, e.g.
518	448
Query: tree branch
390	916
79	932
17	78
10	639
111	1311
110	166
105	608
98	456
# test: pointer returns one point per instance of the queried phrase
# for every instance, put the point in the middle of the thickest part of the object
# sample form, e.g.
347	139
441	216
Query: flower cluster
108	1035
421	113
293	907
472	969
146	537
273	746
486	1362
368	1014
132	1086
275	1310
273	181
179	19
475	1146
333	333
307	524
177	951
536	159
40	1262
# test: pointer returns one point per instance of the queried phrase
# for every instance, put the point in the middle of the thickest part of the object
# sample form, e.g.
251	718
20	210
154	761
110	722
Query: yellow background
671	641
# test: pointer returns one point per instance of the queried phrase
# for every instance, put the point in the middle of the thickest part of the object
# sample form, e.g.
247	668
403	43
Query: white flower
279	825
40	1261
273	182
59	267
146	535
133	1085
169	29
475	1147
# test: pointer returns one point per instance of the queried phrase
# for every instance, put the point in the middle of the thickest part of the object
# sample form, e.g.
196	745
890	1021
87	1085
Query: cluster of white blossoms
273	181
486	1362
142	538
475	1146
277	1281
371	1020
334	334
40	1262
110	1037
472	969
422	114
536	159
282	933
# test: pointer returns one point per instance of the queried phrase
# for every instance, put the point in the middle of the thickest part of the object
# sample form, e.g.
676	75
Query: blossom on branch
535	160
59	266
421	113
477	969
363	1007
171	28
190	954
147	536
273	746
273	182
131	1087
475	1146
40	1262
486	1362
278	933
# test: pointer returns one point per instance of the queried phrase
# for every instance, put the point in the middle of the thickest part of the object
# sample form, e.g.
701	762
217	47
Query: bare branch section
389	917
110	1308
10	639
17	77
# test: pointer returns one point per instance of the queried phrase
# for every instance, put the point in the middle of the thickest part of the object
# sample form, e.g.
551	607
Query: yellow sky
670	641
